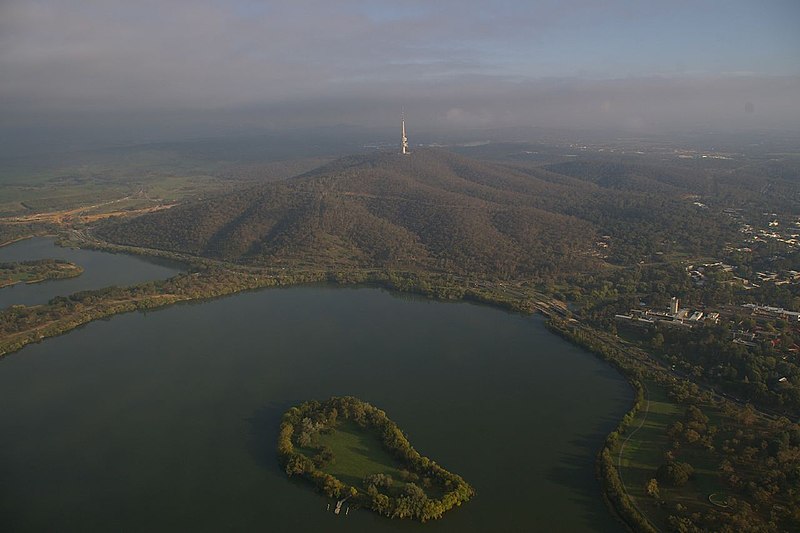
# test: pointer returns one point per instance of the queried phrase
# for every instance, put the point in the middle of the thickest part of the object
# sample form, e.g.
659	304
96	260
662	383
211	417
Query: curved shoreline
12	241
210	280
613	488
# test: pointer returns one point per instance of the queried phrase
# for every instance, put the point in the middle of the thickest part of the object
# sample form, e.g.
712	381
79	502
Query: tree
297	465
658	340
333	416
381	503
303	439
379	481
652	488
324	457
675	473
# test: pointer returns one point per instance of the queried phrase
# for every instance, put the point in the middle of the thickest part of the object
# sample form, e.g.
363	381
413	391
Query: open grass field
109	164
358	453
645	450
55	182
54	195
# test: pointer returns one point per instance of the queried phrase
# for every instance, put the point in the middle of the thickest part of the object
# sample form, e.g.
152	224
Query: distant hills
434	210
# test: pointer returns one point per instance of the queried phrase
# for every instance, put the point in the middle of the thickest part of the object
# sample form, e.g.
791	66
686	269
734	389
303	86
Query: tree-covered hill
633	176
430	210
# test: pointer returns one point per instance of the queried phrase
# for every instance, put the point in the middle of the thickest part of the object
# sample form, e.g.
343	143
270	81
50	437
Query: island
37	270
353	452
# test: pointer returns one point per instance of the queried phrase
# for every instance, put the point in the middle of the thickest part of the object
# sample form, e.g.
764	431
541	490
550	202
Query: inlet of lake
100	269
168	420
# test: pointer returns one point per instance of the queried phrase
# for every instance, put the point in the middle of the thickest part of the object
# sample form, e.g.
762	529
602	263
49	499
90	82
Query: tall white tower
404	139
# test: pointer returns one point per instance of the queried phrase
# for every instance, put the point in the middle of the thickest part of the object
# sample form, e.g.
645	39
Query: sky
155	69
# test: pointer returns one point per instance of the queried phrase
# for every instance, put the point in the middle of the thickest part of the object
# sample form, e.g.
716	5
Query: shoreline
12	241
252	278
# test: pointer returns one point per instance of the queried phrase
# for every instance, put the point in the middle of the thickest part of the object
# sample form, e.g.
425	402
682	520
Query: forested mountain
432	210
632	177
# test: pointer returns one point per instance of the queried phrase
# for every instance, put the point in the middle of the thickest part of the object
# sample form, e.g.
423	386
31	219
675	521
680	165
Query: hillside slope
431	210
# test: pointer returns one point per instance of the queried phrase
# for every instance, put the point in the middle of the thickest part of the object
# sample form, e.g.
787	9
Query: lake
168	420
101	269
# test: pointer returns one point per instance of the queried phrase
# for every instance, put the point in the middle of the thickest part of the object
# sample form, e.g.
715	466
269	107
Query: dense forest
434	211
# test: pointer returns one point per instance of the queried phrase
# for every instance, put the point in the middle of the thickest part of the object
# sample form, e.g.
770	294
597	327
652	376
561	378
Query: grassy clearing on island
358	453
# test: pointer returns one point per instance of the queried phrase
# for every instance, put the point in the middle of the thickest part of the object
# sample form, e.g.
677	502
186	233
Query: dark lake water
101	269
167	421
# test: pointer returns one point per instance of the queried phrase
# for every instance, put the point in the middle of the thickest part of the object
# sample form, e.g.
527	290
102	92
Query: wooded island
351	449
36	271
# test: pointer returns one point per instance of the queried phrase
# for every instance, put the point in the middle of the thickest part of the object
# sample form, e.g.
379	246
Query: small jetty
338	508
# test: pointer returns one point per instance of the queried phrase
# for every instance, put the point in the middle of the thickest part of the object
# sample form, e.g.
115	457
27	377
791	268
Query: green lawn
357	453
68	181
645	450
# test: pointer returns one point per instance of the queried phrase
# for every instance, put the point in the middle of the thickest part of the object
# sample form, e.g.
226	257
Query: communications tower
404	139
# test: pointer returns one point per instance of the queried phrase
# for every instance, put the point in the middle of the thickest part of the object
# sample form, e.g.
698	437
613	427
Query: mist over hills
431	210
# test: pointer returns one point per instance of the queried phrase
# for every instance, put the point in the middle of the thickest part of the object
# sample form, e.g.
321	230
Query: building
674	306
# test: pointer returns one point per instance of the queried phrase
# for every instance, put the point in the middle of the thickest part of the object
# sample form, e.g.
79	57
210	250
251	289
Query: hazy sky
194	65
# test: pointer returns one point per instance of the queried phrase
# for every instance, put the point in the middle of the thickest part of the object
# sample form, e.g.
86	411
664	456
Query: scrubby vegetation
10	233
435	211
36	271
424	490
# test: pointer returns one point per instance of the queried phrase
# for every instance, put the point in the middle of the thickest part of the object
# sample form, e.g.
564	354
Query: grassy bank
647	448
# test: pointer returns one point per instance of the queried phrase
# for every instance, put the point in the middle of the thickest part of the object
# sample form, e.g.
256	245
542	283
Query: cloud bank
252	64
